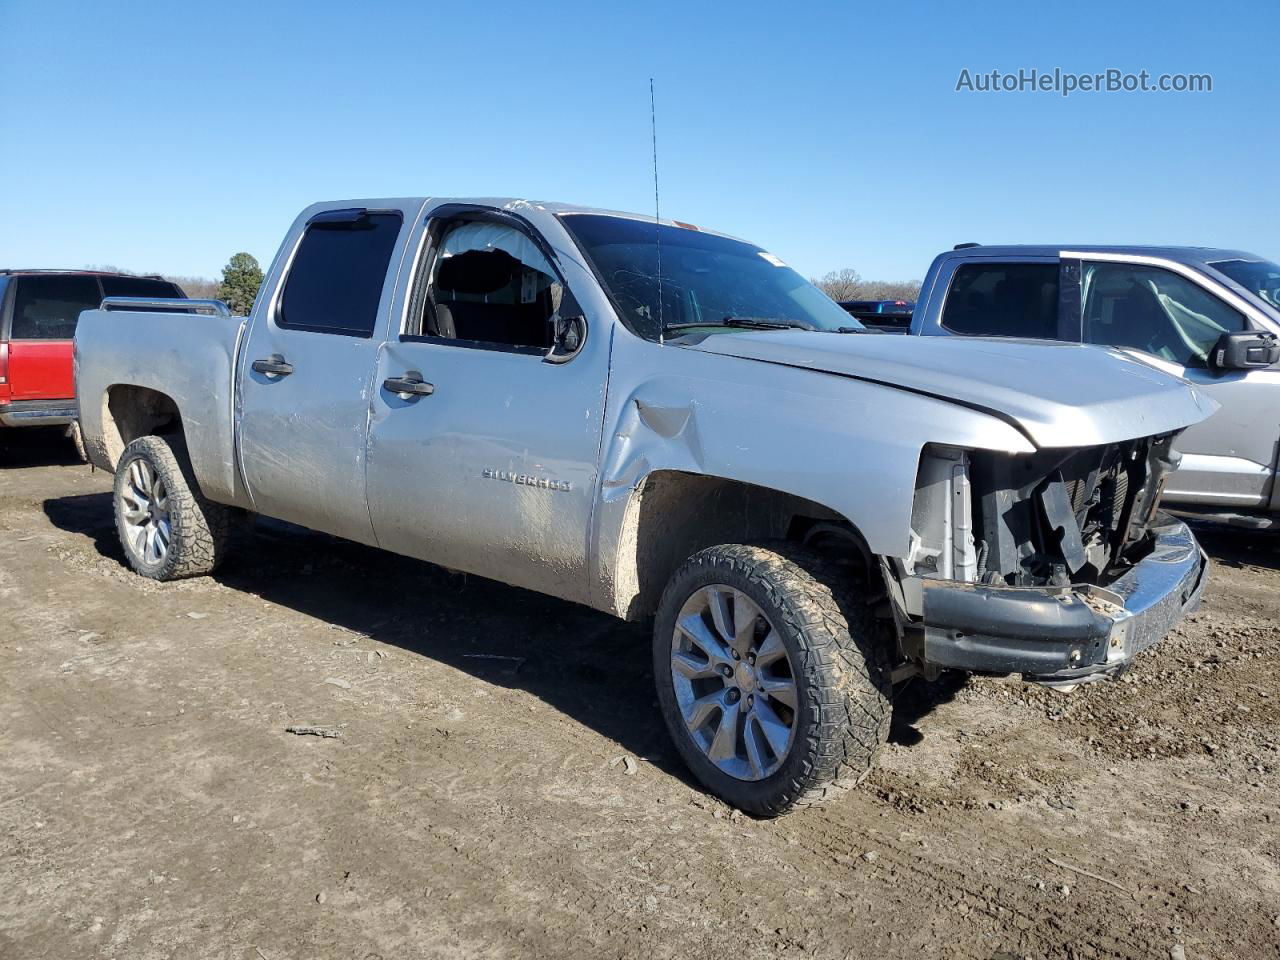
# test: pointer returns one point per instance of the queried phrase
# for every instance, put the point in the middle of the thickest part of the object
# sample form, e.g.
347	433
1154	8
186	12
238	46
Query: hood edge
968	405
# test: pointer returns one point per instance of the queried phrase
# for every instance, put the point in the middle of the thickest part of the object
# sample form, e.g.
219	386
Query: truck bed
190	357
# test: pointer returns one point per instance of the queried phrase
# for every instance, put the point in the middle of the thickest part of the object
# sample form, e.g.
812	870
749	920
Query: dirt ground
153	805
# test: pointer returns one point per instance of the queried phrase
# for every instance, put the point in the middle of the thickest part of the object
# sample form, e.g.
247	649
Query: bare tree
847	284
890	290
840	284
198	288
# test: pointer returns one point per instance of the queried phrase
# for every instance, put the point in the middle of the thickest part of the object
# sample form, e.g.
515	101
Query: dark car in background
38	314
891	315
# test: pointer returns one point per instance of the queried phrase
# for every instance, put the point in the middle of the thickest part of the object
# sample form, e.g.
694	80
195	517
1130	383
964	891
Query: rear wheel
167	528
771	676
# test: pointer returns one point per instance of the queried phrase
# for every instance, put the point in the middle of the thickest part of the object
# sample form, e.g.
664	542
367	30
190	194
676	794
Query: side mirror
568	331
1244	350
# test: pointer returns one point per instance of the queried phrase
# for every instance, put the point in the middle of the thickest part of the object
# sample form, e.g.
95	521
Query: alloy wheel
145	511
734	682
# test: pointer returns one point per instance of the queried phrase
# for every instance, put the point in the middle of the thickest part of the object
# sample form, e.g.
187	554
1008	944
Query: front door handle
274	366
409	386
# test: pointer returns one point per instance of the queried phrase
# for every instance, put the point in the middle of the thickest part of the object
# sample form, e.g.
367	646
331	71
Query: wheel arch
128	412
671	514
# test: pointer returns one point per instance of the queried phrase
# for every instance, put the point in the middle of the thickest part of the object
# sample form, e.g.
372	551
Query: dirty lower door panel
494	472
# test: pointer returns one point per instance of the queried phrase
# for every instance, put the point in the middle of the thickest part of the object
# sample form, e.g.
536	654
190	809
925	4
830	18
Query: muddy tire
167	528
771	675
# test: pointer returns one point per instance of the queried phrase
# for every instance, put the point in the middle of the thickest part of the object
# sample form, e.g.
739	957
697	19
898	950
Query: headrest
477	271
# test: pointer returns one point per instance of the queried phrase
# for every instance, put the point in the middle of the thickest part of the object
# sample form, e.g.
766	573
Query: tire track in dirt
1049	931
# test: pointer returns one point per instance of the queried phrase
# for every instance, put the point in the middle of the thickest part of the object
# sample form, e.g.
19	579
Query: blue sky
169	136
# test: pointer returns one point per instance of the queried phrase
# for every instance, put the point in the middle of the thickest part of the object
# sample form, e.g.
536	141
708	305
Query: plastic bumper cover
1066	635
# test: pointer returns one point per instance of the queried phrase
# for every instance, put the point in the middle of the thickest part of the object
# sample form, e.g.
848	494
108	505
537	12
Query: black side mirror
568	330
1244	350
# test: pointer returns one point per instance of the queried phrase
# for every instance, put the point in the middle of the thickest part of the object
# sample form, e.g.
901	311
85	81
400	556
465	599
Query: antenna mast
657	218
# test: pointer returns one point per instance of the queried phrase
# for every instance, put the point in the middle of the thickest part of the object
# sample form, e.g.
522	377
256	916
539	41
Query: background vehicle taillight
4	371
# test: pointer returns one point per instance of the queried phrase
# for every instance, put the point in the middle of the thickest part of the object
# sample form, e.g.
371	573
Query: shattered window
663	274
491	284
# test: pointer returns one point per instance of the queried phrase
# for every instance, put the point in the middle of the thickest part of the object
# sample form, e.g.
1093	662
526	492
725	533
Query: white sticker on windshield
772	259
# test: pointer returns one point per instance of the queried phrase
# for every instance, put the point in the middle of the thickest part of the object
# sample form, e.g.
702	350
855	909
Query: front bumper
1066	635
38	413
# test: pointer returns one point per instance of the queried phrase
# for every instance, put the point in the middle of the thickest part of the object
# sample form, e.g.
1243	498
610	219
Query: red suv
38	314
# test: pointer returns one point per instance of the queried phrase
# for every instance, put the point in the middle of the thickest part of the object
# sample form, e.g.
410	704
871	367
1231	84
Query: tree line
847	284
242	276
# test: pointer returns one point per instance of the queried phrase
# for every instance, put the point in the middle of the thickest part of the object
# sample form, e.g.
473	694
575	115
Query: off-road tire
200	529
839	658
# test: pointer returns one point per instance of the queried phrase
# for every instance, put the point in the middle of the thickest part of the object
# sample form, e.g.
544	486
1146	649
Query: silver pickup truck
661	421
1211	316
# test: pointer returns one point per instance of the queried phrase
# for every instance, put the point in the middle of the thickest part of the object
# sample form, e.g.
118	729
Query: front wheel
771	676
166	526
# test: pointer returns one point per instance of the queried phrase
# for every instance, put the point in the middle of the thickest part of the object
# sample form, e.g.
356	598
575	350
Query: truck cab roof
1195	256
511	204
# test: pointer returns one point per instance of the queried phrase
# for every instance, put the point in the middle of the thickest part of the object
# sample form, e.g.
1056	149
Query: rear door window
1156	311
1003	300
47	307
335	281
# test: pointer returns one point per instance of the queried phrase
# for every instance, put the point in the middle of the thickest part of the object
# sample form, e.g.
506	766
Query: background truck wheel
771	676
168	530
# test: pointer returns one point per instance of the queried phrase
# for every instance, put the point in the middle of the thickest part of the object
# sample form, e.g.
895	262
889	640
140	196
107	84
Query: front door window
1154	310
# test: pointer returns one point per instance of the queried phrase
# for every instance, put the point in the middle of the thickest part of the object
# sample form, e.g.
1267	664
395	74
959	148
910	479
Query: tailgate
40	370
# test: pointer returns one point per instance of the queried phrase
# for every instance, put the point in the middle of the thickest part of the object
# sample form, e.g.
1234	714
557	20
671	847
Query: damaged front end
1055	565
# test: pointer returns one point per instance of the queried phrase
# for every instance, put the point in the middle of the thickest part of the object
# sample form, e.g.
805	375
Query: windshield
705	278
1259	277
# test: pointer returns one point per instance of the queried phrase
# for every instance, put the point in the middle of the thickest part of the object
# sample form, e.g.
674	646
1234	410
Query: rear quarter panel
188	357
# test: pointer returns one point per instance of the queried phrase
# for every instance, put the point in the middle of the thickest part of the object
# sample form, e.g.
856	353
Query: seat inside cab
490	284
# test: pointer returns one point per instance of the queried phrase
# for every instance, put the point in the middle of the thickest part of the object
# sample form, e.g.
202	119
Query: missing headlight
942	540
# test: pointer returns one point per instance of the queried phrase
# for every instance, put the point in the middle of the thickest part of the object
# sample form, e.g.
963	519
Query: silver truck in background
1209	316
809	513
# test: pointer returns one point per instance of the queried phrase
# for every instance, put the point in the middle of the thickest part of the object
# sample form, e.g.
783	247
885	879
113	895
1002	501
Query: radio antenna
657	216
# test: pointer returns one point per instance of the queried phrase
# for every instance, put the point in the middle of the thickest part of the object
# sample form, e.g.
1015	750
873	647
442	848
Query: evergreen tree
241	278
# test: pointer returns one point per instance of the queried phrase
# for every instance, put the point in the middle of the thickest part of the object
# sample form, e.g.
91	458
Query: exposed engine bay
1053	518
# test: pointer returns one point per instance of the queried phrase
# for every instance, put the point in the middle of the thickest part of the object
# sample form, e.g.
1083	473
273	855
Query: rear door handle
409	386
273	365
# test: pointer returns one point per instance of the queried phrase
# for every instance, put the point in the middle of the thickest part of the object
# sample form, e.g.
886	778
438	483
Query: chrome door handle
274	366
408	386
